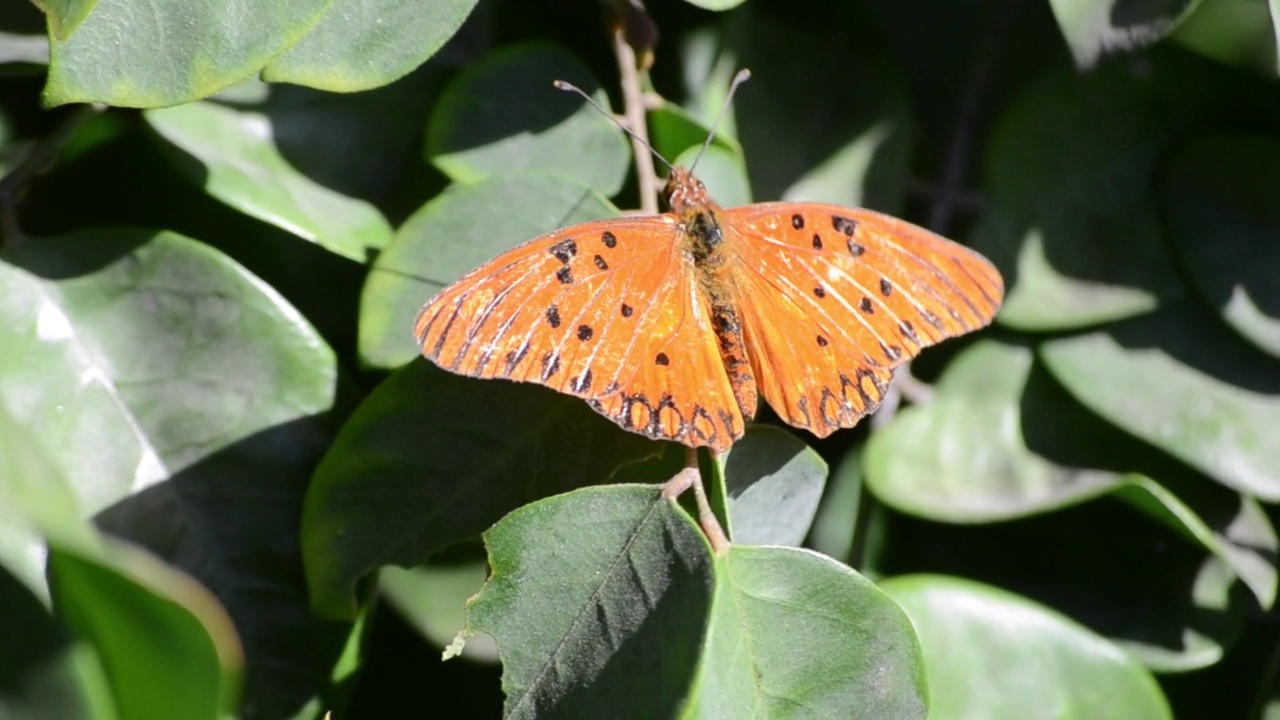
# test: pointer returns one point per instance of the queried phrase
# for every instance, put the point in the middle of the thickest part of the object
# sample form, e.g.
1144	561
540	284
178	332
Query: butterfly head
685	193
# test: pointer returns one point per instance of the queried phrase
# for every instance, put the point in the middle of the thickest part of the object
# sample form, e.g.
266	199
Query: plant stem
633	102
689	476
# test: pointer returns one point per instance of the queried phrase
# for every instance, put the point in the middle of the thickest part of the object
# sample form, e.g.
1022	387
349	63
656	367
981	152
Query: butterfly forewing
834	298
603	311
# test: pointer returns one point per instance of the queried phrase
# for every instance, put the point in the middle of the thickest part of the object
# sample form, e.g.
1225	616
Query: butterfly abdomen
704	245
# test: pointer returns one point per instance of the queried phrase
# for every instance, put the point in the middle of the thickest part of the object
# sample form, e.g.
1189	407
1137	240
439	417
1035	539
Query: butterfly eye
701	187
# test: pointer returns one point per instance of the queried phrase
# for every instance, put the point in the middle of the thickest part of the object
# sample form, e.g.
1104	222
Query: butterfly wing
607	311
834	298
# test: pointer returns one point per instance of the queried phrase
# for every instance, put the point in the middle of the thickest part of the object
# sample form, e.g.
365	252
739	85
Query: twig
633	102
949	190
37	157
688	477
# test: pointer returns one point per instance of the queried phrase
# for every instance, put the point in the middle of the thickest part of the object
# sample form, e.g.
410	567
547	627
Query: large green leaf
992	654
1219	198
171	51
453	234
234	156
1184	383
362	44
1072	217
431	458
606	602
598	601
193	387
503	115
1095	28
797	634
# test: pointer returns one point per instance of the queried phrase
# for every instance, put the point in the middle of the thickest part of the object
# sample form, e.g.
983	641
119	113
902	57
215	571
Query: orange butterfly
671	325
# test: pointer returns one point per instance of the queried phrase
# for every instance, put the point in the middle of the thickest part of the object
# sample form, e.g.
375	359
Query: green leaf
122	334
177	51
1096	28
47	675
797	634
992	654
1235	32
65	15
503	115
451	235
1219	198
167	647
431	458
673	130
1184	383
232	154
1072	217
598	602
363	44
774	482
802	139
964	456
835	524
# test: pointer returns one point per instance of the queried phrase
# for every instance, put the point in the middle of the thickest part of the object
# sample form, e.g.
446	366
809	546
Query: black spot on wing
609	239
600	263
797	221
627	310
886	289
844	225
564	275
553	316
817	241
662	359
585	332
564	250
865	305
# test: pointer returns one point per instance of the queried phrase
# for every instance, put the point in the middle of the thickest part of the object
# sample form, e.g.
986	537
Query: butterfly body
674	325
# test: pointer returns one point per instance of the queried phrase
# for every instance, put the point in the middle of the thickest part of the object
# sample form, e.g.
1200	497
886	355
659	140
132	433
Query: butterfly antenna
570	87
742	76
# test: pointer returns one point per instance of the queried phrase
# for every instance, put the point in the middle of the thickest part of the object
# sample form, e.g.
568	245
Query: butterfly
674	325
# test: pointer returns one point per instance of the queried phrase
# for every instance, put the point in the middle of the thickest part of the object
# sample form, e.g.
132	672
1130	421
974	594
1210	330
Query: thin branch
690	477
633	101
